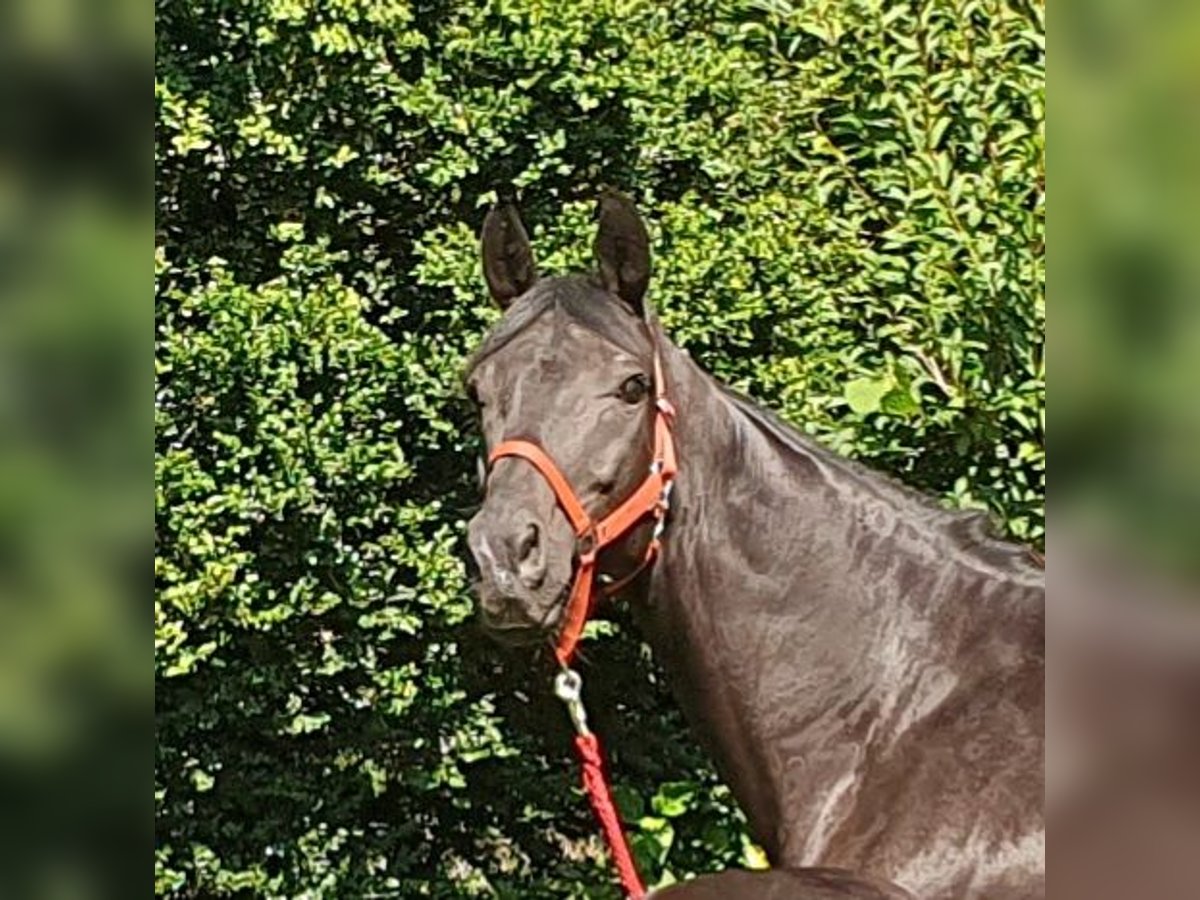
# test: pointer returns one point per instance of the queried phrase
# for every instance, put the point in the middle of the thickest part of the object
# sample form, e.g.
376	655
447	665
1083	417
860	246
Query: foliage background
847	207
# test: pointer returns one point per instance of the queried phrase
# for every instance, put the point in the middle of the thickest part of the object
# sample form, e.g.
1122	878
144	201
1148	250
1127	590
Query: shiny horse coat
865	668
783	884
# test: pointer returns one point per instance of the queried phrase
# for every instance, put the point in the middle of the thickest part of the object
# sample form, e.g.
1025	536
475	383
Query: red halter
651	498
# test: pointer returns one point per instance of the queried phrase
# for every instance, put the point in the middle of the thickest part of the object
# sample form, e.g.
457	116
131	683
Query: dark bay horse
783	884
865	668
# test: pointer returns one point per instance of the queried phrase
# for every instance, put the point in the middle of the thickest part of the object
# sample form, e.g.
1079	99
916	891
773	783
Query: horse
865	668
783	884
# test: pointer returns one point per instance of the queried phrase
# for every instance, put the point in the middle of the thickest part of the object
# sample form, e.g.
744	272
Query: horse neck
757	538
766	607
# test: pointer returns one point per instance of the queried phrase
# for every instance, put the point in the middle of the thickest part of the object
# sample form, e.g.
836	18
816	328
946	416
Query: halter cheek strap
650	499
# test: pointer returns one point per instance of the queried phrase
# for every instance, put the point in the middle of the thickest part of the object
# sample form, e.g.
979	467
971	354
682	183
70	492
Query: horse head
569	370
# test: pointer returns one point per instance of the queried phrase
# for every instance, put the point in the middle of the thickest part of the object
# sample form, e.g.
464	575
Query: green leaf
673	798
629	803
899	401
753	856
655	837
866	394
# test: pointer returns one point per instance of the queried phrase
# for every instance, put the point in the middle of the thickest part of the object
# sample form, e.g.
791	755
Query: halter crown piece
651	499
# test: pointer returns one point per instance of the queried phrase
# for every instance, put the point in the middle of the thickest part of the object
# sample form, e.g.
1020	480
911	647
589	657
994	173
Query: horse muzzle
520	588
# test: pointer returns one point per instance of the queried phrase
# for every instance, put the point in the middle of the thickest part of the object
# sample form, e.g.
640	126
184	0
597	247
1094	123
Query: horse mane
972	532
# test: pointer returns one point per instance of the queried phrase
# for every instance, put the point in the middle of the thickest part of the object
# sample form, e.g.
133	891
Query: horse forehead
582	348
513	359
553	349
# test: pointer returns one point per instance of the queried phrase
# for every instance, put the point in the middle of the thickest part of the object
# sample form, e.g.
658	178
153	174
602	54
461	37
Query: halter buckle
586	545
664	501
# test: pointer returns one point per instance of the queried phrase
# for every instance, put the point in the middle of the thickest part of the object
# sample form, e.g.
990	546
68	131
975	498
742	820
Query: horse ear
507	257
622	249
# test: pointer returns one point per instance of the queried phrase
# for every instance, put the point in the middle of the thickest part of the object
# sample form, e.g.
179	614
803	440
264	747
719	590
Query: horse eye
634	389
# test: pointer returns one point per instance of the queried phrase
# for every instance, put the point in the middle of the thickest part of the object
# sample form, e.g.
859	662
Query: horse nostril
529	544
530	567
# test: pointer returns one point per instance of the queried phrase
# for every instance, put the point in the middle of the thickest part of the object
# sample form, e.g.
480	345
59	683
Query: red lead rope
599	796
568	687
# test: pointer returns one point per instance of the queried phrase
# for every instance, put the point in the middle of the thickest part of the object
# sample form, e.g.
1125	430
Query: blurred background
1124	563
75	233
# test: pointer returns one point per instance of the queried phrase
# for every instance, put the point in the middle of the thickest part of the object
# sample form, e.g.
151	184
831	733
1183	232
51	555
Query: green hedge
847	207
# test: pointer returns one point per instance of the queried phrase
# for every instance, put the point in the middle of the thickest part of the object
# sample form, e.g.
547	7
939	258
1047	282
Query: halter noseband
652	498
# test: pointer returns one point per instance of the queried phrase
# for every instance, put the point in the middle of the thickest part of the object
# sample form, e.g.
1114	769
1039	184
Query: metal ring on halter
586	544
568	687
664	504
